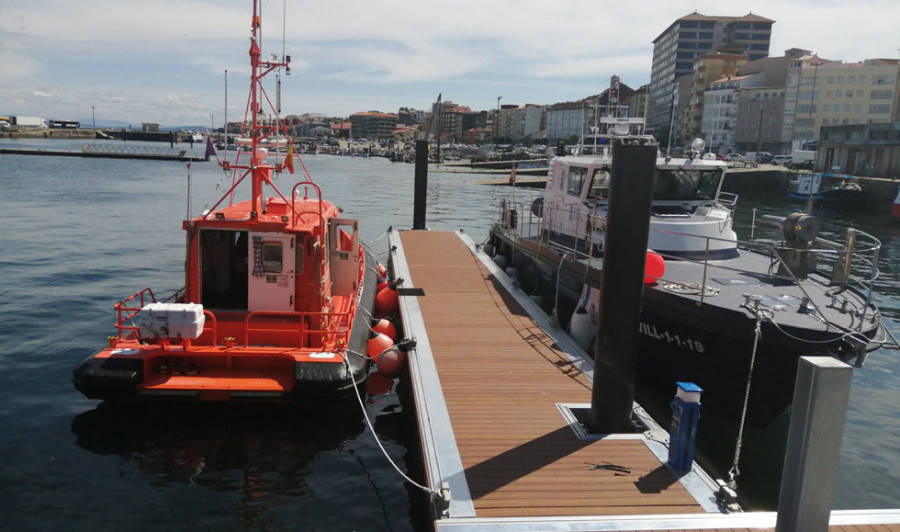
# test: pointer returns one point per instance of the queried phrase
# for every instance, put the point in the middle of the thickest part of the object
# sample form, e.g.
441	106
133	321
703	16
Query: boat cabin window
685	184
576	180
599	184
271	256
223	269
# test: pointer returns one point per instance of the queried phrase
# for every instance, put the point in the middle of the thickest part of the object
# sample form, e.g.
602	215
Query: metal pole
819	410
421	184
625	251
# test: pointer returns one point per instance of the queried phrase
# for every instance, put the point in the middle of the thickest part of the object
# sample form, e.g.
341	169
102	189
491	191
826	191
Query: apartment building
834	93
372	125
708	68
521	123
566	120
720	111
760	115
675	49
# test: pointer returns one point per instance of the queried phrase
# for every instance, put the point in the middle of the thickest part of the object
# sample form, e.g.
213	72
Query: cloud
357	54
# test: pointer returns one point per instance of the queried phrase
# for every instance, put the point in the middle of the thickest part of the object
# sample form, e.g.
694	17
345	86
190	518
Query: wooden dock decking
494	393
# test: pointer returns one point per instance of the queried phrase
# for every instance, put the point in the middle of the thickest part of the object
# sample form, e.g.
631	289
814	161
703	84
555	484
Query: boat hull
137	371
682	340
841	199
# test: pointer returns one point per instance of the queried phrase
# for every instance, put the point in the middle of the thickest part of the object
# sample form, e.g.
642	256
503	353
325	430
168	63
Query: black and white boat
716	311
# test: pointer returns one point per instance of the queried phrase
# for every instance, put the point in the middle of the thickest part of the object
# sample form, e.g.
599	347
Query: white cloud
18	66
358	54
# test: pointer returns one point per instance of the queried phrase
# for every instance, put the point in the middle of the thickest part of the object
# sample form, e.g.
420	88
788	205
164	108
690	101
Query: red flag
512	175
289	159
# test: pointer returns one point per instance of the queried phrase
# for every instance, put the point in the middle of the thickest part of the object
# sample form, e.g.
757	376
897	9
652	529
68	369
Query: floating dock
152	153
498	390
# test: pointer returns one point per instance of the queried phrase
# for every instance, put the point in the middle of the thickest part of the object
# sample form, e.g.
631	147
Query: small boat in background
838	190
278	294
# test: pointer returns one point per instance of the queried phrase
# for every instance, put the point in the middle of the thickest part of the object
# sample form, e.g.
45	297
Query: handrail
857	259
134	311
294	200
304	329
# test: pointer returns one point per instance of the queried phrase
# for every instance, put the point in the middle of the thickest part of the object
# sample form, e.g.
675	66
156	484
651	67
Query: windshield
683	184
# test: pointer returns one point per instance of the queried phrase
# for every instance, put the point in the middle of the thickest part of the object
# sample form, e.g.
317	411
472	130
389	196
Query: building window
881	95
879	109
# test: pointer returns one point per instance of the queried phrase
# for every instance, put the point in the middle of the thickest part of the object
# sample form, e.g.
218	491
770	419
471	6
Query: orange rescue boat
278	295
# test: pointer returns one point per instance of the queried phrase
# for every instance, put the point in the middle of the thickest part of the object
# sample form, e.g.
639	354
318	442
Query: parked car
802	165
733	156
763	157
781	159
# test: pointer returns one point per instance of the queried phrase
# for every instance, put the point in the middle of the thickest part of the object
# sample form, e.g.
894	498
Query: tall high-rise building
693	35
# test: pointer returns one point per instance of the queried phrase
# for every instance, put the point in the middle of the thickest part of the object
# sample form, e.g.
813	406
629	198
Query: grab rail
853	262
120	308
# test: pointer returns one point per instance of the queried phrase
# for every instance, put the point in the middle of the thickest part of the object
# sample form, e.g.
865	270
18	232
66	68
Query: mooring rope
734	472
365	414
555	316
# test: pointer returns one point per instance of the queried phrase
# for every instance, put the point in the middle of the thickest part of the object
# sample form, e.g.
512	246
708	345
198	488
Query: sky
165	61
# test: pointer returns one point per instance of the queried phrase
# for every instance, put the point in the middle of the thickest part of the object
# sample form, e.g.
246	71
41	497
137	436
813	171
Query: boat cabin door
270	278
343	240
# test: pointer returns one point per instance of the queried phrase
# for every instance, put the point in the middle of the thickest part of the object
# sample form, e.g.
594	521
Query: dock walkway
496	397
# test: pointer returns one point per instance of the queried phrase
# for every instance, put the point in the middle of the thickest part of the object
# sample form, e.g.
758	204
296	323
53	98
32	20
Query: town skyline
142	63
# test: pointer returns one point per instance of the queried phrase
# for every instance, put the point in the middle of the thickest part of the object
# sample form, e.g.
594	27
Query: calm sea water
79	234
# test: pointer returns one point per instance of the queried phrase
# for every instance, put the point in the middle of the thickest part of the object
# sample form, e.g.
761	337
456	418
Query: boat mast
261	170
257	159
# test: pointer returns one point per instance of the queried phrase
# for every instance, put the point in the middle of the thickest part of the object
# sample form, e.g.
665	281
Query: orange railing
125	313
323	334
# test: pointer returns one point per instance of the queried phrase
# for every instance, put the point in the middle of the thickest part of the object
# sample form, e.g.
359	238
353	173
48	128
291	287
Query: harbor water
80	234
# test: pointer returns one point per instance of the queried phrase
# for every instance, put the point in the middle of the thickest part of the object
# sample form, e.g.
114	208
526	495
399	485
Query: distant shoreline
51	133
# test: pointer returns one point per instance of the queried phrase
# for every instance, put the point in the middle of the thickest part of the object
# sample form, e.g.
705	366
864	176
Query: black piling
624	254
421	187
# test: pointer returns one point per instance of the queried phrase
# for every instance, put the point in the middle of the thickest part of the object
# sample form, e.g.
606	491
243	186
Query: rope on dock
434	494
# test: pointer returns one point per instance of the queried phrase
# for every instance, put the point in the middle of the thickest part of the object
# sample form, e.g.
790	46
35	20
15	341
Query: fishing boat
837	190
716	311
277	298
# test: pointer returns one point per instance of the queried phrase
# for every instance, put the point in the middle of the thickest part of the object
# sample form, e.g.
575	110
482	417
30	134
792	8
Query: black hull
682	341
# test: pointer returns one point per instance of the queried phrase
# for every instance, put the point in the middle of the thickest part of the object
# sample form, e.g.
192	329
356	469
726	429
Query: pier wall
118	134
881	190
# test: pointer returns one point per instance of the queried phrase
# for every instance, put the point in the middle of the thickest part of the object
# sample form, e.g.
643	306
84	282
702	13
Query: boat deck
496	395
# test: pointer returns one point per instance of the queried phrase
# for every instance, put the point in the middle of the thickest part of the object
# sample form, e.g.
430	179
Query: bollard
683	432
